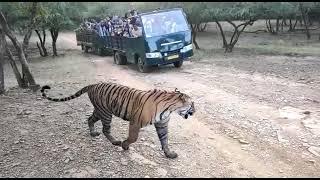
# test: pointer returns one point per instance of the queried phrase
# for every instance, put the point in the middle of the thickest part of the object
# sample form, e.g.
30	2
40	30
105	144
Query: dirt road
257	116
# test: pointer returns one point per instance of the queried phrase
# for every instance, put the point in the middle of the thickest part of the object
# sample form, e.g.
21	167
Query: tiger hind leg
91	120
106	129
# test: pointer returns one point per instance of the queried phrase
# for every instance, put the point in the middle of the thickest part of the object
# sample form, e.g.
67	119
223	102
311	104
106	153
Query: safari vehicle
158	45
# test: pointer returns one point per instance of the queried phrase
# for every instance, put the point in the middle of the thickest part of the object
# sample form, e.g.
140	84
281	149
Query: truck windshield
163	23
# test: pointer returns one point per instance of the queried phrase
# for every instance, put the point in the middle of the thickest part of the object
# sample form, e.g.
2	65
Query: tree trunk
295	24
40	50
267	25
26	40
236	34
41	47
222	34
285	21
43	43
14	67
271	30
203	28
194	35
20	51
2	52
198	27
277	25
1	73
31	25
304	20
54	35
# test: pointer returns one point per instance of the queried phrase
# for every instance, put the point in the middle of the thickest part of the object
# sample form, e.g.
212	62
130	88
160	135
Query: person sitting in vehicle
136	30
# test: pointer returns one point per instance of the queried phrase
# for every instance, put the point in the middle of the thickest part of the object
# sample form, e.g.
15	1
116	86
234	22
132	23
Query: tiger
141	108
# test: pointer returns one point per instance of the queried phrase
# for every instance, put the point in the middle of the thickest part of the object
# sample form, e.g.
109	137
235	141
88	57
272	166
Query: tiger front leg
133	136
162	131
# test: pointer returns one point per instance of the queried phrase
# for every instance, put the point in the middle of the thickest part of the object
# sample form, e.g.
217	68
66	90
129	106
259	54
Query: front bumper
164	60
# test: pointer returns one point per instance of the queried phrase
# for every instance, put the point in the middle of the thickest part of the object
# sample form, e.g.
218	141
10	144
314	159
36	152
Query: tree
56	19
247	13
2	53
197	13
41	21
21	54
304	12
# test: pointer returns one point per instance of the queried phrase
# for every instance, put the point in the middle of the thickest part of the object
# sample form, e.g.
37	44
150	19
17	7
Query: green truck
156	46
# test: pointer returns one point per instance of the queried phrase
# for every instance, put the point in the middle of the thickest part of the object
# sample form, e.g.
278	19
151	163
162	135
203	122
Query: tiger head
185	106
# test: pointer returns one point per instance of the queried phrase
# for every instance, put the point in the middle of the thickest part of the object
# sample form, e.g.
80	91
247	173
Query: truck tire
86	49
98	51
178	64
119	58
142	67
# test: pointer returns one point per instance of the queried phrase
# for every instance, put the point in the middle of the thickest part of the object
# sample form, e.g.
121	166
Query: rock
124	162
80	174
42	115
39	98
16	142
162	172
305	145
27	112
65	148
142	139
141	159
307	112
66	160
314	150
235	137
15	164
242	141
281	137
146	176
312	124
71	158
92	171
312	161
281	171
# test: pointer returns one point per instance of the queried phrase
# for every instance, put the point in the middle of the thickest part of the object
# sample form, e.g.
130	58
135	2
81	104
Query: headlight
153	55
187	37
186	48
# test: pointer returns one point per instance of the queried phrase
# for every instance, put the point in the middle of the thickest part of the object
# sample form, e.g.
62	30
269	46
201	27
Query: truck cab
166	39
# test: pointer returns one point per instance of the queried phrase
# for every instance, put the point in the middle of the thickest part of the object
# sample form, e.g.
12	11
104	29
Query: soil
258	115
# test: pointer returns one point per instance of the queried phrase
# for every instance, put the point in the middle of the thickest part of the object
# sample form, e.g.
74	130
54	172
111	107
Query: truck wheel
86	49
99	51
119	59
142	67
178	64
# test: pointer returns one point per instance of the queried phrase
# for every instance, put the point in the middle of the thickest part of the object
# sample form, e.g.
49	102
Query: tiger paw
125	145
116	143
94	134
171	154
